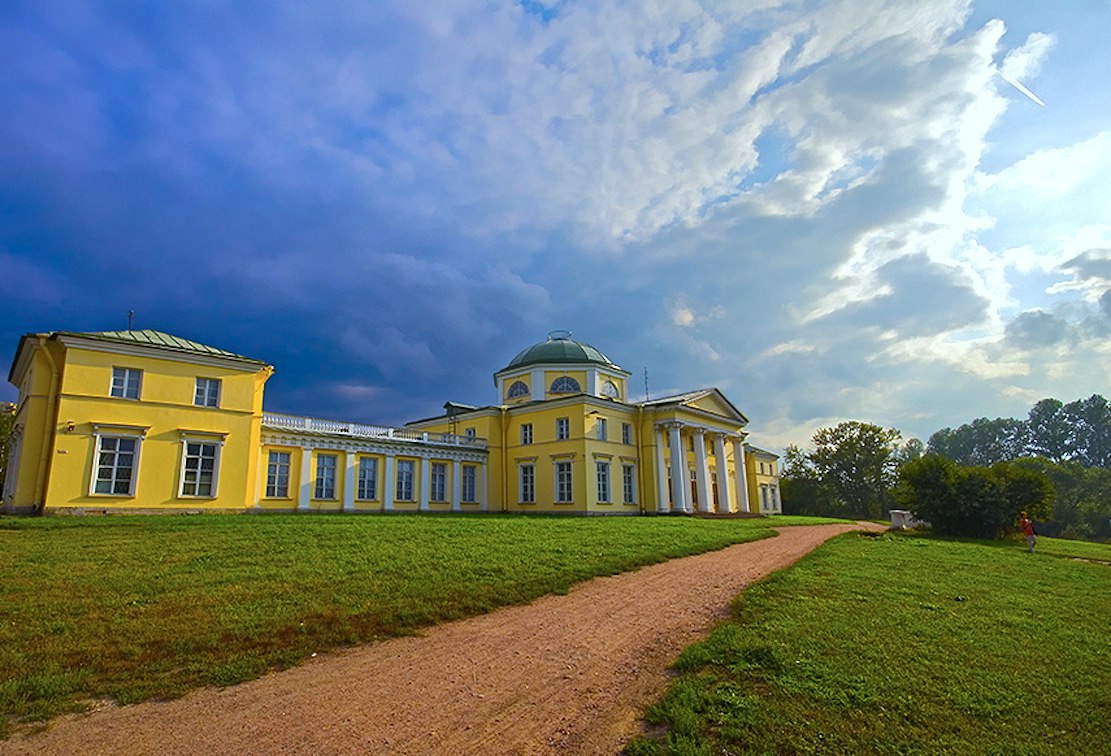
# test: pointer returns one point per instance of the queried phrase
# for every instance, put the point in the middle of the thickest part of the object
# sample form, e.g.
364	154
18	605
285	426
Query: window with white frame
469	433
200	468
563	428
629	484
117	465
600	426
277	475
404	488
207	393
526	475
368	478
565	385
325	476
626	433
603	470
470	489
15	446
518	388
526	434
438	482
126	382
610	390
564	491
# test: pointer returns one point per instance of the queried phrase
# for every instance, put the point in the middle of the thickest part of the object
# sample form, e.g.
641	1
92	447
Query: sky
829	210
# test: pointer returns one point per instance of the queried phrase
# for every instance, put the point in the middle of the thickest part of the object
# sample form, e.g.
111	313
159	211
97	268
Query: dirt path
564	673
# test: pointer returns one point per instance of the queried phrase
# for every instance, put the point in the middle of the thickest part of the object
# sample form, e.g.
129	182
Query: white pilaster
456	485
538	390
306	480
701	471
742	476
349	482
661	472
425	483
725	502
678	470
389	485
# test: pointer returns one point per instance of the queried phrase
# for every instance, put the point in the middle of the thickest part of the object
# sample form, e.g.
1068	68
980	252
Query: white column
678	470
425	483
661	472
306	480
456	485
742	477
725	503
702	471
349	482
592	382
480	486
538	389
389	485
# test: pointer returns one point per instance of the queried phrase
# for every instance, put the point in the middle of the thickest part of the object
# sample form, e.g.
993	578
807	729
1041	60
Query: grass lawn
130	608
905	644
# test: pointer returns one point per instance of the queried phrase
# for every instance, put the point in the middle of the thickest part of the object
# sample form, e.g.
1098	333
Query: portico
682	455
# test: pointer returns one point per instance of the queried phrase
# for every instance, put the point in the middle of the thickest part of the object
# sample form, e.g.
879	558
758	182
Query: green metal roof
560	348
163	340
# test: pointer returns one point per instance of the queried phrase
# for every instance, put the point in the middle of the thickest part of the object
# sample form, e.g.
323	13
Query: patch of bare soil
564	673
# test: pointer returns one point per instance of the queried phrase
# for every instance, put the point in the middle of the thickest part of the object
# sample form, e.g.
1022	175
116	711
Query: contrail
1020	87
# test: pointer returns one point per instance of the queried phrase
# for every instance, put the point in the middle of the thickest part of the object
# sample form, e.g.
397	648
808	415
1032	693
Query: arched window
517	389
565	385
609	388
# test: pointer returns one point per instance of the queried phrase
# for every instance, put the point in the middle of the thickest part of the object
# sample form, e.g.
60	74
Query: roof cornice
244	364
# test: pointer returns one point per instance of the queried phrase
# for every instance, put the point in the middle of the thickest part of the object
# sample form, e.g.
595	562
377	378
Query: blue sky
829	210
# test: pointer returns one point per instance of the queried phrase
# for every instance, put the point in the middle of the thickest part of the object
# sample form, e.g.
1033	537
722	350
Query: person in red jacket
1027	526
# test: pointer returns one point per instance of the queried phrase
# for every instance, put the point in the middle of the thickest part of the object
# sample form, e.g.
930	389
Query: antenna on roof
130	319
646	384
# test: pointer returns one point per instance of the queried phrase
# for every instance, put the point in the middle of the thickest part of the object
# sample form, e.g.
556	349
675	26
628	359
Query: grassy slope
129	608
905	644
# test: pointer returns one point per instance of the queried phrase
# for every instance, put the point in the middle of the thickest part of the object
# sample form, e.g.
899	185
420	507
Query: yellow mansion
143	421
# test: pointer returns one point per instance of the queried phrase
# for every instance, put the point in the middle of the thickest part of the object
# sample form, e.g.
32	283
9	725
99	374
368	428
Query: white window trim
323	495
526	434
602	470
201	438
208	382
521	497
437	483
139	433
627	433
563	428
126	371
468	484
289	470
361	480
601	428
559	498
629	492
410	466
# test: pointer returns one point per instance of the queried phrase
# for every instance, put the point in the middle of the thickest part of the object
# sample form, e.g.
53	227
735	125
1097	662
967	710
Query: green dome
559	348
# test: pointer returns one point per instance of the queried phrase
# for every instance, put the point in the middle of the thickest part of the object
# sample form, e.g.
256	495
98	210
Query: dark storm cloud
1036	328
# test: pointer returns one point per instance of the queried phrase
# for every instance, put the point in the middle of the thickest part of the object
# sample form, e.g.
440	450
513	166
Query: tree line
972	480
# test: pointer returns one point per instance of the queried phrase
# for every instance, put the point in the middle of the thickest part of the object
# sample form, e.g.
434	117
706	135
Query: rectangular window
470	473
277	475
439	482
116	462
600	428
405	469
368	478
564	492
202	459
207	393
469	433
563	428
526	434
603	469
626	433
126	382
527	476
325	476
628	484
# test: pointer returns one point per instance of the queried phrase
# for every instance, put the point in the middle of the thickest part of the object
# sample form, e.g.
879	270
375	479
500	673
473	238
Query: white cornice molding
414	449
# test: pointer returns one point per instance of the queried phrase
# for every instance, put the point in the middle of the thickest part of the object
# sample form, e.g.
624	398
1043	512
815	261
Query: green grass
131	608
904	644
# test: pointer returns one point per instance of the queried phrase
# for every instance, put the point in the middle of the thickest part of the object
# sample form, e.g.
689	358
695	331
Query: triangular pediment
704	401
